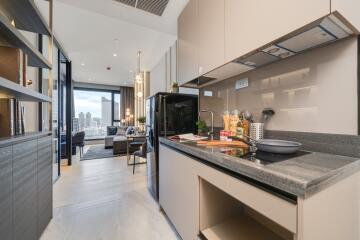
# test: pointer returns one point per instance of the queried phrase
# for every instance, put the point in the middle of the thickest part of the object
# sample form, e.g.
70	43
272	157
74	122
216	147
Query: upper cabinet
211	38
252	24
212	33
348	9
188	53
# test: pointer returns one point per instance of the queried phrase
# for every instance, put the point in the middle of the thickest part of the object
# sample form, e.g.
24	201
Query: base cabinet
26	189
202	201
6	202
178	194
44	183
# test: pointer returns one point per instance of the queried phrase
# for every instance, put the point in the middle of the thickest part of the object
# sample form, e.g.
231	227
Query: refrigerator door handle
165	133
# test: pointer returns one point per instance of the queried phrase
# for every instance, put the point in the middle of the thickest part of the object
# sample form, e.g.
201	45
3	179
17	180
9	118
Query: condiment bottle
226	119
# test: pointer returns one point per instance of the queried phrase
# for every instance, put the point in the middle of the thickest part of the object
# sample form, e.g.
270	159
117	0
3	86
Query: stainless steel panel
258	59
306	40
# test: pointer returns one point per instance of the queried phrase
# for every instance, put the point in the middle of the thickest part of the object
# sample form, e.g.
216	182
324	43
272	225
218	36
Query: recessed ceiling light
82	64
114	55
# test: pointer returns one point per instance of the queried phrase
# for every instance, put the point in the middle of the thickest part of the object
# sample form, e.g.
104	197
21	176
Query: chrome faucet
212	122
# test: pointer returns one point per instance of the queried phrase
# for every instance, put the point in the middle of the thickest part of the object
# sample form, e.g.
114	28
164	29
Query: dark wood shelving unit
14	38
26	159
14	90
26	15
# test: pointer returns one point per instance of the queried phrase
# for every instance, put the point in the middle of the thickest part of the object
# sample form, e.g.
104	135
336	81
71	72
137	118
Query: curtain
127	101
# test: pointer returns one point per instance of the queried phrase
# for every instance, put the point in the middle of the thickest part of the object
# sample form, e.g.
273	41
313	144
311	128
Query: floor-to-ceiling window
95	110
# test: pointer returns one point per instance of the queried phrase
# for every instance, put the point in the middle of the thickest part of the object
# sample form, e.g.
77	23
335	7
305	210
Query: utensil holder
257	131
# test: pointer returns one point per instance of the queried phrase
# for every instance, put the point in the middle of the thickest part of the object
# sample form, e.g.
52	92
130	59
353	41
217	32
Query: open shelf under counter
14	38
26	15
14	90
240	227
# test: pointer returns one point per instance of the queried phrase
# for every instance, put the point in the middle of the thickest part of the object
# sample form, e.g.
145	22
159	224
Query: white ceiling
87	29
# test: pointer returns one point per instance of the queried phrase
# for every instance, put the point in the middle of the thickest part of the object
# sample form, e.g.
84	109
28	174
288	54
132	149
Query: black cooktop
260	157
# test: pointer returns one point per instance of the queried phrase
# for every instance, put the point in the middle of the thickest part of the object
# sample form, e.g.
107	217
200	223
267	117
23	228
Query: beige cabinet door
158	77
348	9
188	56
178	191
252	24
212	35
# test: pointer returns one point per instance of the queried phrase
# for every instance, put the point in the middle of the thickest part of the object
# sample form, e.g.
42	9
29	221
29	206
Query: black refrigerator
167	114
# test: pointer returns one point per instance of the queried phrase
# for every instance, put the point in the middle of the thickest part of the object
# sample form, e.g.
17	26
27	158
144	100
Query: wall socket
241	83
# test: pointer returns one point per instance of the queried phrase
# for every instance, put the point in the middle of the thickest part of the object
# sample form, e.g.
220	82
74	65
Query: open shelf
224	217
239	227
14	90
14	38
26	15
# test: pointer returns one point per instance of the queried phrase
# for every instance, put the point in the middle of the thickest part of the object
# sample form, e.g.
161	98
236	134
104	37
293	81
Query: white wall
312	92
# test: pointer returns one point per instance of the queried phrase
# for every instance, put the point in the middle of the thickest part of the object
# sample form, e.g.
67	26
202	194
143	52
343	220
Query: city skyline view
93	112
88	101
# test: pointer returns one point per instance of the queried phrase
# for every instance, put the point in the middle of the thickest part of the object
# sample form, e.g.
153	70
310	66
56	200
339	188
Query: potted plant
175	87
141	120
203	129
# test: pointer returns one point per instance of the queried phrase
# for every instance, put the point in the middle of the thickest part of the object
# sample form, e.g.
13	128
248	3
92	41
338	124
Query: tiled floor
101	199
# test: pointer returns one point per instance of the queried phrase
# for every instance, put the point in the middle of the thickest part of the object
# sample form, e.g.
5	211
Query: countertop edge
299	188
9	141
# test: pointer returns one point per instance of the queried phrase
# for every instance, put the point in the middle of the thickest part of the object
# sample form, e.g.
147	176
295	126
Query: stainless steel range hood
324	31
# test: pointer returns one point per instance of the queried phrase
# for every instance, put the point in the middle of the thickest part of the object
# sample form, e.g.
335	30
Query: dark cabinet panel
44	178
25	190
6	193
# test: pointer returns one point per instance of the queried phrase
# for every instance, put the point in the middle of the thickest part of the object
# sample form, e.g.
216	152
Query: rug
99	151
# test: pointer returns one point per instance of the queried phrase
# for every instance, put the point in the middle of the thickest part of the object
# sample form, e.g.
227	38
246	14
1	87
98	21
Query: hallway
101	199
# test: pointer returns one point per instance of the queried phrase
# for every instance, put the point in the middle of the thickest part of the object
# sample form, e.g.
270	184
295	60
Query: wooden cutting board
222	143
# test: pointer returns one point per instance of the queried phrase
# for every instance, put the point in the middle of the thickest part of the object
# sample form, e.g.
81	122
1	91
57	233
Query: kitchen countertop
301	176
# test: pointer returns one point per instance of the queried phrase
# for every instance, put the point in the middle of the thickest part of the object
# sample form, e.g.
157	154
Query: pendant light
139	75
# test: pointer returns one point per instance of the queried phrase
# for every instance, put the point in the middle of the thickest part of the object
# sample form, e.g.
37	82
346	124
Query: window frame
112	92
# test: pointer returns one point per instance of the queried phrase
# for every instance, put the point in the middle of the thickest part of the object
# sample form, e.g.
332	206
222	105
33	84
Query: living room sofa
116	139
114	131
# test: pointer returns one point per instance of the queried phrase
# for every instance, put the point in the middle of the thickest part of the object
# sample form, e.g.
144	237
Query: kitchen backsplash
312	92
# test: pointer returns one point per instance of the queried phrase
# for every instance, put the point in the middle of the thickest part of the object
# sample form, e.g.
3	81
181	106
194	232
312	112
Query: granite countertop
8	141
301	176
